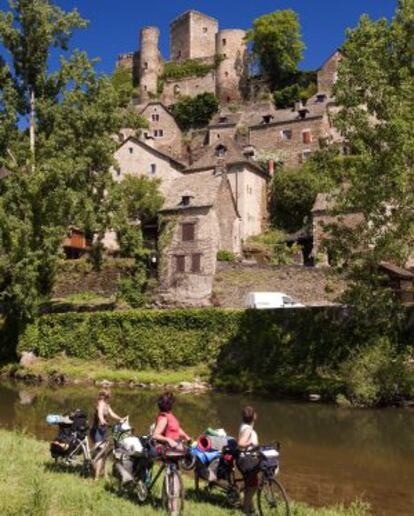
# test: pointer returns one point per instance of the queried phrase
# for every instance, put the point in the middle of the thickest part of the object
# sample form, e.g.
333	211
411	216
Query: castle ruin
197	37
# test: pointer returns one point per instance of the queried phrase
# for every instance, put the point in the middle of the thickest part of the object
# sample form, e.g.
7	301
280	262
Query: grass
98	370
30	487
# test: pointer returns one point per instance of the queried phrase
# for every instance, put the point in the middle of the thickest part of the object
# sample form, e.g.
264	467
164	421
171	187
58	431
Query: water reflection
329	454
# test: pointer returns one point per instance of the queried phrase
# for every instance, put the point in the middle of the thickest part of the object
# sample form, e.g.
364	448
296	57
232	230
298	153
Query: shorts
100	433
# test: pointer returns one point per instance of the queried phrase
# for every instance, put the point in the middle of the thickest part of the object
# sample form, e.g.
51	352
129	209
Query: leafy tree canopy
376	89
277	45
193	112
63	179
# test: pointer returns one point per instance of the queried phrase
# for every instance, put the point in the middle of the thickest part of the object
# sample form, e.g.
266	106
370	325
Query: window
159	133
226	74
221	151
286	134
153	169
185	200
155	118
224	42
306	155
205	30
267	119
131	150
180	263
176	89
188	232
306	137
146	66
320	97
118	172
196	263
223	120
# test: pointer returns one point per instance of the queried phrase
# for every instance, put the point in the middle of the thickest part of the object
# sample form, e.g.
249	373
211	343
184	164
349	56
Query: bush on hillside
226	256
377	374
194	112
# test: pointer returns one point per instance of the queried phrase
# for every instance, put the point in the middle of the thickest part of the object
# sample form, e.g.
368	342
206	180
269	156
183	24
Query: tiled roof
254	118
396	271
160	152
201	188
234	154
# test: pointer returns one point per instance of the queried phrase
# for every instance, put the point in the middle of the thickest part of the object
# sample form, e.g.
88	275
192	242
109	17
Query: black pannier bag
69	434
248	464
269	459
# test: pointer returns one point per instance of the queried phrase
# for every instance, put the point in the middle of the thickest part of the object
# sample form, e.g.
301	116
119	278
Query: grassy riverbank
95	371
29	486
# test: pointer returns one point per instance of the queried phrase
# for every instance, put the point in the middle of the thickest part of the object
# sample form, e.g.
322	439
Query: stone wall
310	286
136	160
327	75
193	35
249	188
76	277
229	222
187	287
232	70
159	119
269	138
190	86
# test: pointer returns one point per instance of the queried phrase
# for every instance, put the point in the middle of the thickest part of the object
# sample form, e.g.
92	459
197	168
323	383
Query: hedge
261	341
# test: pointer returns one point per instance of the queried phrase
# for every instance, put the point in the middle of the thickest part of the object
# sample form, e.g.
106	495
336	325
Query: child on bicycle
247	439
167	427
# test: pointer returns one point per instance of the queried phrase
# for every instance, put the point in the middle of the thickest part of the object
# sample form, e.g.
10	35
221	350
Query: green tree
135	201
60	164
376	89
292	197
193	112
277	45
123	83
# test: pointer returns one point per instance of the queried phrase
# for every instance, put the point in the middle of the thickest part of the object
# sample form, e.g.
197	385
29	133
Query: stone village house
214	189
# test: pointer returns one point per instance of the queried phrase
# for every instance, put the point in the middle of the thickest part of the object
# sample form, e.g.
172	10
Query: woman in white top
248	438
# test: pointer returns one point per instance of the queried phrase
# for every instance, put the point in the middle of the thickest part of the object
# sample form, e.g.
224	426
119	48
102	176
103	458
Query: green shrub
272	246
253	349
193	112
377	374
226	256
187	68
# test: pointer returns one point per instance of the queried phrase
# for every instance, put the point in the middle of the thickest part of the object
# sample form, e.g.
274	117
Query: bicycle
172	461
271	496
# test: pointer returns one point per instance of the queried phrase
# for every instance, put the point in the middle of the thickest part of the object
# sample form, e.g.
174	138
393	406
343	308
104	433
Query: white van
268	300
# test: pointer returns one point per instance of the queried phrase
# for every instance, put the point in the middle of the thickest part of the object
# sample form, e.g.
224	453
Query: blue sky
115	24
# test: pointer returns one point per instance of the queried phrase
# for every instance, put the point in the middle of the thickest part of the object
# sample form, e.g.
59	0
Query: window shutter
306	137
196	263
180	263
188	232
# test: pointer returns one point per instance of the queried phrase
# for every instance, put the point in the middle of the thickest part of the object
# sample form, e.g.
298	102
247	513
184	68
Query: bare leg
249	493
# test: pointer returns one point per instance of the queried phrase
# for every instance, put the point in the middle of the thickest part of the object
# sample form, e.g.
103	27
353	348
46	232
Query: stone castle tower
194	36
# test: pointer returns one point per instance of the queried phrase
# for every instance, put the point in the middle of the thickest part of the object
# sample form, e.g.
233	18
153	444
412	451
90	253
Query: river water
329	455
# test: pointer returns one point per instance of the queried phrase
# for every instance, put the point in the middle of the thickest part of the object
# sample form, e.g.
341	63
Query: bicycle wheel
272	499
173	493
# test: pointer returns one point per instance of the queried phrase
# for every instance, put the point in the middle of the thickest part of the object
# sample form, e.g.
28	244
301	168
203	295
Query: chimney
298	105
271	167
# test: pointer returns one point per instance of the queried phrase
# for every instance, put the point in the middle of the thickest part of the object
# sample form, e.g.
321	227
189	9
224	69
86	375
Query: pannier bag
269	459
208	472
59	448
248	464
